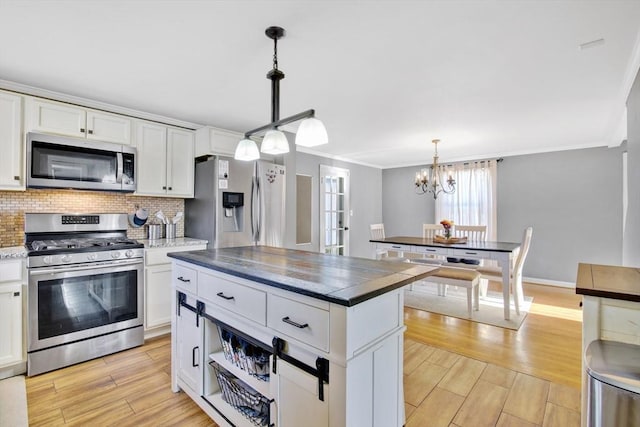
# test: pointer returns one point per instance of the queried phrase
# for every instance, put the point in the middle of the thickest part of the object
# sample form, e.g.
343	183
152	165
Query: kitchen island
610	311
271	336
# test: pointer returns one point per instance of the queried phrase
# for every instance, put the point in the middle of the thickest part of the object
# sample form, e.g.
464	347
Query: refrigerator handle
255	209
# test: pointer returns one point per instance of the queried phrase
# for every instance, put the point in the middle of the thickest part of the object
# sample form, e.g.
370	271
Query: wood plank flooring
457	373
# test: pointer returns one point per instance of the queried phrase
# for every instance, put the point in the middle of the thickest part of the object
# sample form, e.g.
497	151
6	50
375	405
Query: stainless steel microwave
64	162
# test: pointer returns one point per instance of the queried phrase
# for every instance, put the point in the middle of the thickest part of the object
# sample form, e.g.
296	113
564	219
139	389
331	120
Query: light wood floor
457	373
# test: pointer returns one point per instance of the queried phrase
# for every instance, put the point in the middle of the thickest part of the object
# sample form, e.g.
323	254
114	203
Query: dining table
502	252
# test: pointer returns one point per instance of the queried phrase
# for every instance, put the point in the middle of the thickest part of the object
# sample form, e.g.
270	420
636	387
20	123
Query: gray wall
403	210
631	242
366	201
573	200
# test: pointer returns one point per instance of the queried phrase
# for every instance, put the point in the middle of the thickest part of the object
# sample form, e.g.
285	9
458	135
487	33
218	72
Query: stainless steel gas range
85	296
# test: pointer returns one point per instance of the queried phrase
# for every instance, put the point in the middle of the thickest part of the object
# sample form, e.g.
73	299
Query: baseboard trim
548	282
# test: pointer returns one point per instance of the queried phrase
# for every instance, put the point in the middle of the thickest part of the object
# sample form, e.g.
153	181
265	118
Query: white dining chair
376	232
429	231
495	273
471	232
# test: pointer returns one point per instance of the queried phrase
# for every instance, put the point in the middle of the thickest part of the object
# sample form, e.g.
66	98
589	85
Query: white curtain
474	201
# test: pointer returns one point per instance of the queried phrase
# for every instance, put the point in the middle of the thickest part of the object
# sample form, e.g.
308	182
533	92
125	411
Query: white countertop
13	252
172	243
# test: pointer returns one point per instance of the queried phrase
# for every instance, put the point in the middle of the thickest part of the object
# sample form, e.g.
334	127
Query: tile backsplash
14	204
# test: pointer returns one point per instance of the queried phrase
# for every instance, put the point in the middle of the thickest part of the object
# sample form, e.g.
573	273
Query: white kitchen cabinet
157	288
11	142
71	120
361	345
297	386
165	160
12	286
189	349
211	140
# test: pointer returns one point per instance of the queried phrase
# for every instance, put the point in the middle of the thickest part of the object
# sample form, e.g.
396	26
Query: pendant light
311	131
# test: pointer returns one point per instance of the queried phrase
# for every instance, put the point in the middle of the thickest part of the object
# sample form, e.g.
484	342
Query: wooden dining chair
495	273
376	231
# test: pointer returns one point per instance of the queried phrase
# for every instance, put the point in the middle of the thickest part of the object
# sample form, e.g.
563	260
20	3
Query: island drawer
303	322
240	299
185	278
11	271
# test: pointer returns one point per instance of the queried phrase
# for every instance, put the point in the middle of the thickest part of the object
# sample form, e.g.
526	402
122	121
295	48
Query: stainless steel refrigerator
237	203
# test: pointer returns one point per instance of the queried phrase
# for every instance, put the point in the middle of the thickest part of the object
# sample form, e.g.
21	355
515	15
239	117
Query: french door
334	210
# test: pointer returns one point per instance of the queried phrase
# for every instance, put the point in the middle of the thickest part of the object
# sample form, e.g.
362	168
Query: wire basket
243	398
248	357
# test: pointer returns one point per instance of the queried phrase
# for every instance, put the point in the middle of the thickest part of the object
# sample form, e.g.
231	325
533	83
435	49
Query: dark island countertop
609	281
338	279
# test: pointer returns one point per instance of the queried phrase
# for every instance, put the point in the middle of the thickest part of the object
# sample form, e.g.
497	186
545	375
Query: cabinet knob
164	187
16	178
90	132
16	294
81	130
170	188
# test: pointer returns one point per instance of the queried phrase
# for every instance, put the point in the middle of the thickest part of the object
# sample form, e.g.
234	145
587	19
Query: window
474	201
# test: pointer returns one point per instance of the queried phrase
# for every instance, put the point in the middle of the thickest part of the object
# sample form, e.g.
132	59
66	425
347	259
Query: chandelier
431	180
311	131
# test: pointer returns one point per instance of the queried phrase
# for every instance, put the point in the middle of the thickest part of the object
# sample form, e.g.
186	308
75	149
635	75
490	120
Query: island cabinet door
298	400
189	349
374	385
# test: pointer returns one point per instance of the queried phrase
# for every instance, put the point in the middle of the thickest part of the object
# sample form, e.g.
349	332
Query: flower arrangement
447	224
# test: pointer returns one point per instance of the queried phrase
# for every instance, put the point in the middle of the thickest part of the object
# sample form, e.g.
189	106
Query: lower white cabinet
294	385
157	288
242	371
189	349
12	288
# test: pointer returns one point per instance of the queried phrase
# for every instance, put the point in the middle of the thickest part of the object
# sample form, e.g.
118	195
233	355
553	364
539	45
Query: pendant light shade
275	142
247	150
311	133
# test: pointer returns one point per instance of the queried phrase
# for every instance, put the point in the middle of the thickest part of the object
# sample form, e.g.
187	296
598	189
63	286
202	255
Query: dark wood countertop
609	281
338	279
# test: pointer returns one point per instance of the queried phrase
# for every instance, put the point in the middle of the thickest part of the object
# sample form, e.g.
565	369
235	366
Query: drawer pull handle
292	323
396	247
430	250
182	279
471	253
221	295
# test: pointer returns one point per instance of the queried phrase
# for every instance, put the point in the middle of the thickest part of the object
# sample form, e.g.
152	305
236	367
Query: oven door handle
82	267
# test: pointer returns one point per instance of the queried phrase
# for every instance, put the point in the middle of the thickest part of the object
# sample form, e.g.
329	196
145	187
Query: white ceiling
489	78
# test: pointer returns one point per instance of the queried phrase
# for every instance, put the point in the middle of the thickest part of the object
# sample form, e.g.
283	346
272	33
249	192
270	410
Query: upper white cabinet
210	140
71	120
11	142
165	160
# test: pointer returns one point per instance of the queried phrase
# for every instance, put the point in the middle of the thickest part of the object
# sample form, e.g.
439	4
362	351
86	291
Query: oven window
77	303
